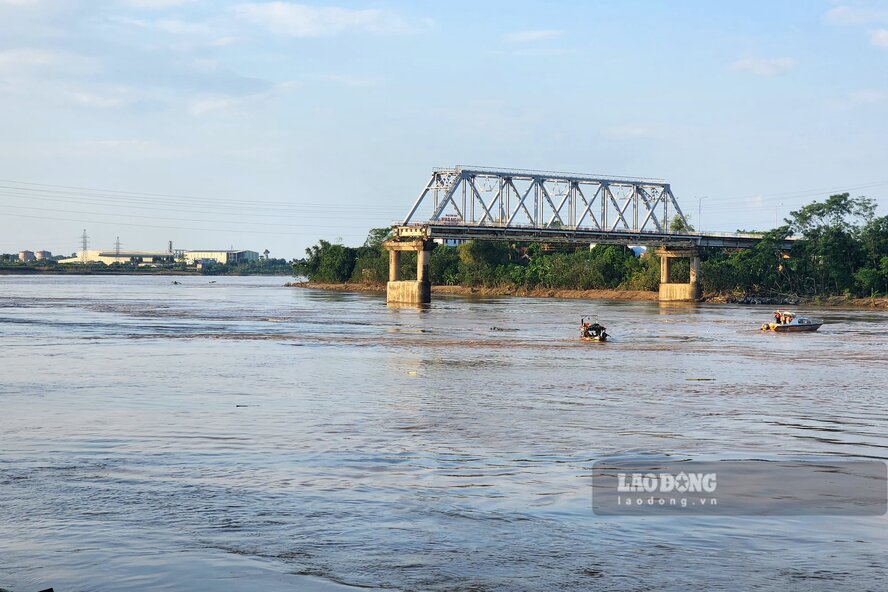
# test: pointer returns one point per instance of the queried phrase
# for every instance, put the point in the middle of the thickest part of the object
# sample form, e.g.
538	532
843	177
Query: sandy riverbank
469	291
834	301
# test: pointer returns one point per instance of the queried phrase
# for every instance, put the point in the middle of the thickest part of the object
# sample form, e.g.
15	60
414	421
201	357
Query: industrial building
26	256
151	258
221	257
145	258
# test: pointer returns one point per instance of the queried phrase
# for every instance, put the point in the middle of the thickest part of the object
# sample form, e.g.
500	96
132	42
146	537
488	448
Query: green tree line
485	263
842	250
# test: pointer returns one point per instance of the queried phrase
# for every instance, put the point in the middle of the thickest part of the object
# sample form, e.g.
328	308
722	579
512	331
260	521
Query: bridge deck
579	236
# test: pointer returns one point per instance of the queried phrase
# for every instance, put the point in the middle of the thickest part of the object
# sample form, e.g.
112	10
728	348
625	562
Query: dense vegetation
843	251
481	263
262	266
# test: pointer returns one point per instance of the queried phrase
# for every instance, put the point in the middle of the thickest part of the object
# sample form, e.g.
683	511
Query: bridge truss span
503	198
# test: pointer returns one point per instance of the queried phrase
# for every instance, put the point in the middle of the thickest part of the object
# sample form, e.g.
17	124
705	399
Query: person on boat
778	317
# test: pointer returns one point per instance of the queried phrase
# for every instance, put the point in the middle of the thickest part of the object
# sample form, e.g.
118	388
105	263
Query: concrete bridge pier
418	291
670	291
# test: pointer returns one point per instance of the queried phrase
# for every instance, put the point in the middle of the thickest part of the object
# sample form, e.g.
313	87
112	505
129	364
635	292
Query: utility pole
84	245
699	212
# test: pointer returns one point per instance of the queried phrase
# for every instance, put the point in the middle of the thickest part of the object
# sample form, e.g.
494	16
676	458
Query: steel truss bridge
559	208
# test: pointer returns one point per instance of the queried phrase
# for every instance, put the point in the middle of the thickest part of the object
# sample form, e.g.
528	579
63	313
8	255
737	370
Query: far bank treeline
843	251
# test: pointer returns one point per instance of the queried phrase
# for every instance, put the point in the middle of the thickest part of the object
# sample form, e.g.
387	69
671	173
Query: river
241	435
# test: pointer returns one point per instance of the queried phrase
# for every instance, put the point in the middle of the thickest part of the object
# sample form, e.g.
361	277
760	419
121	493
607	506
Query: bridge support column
418	291
671	291
422	265
394	266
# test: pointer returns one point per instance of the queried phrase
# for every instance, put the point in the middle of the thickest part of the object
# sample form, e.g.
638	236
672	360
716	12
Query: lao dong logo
666	482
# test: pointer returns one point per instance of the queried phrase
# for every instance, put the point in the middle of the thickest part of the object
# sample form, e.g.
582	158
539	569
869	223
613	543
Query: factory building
43	255
141	258
26	256
150	258
229	257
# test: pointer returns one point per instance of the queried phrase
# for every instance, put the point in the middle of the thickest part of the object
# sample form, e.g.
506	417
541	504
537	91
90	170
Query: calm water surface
245	436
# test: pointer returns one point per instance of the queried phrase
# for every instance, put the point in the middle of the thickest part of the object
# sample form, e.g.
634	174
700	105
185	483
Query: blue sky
272	124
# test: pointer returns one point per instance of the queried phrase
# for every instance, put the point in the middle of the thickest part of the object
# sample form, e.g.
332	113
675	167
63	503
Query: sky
270	125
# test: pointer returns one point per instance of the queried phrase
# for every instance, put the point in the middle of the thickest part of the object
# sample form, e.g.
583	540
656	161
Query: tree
872	277
831	251
376	237
874	239
680	225
478	261
839	212
444	265
326	262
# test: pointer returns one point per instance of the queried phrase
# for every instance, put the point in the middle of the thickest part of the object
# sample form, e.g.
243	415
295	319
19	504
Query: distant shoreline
635	295
171	272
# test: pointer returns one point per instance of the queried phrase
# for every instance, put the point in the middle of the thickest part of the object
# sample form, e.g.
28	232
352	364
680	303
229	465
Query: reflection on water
242	435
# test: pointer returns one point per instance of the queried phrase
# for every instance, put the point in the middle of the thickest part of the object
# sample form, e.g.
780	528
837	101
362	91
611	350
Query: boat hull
808	328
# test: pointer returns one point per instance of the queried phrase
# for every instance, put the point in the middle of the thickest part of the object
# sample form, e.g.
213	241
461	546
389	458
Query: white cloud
352	81
225	41
847	15
765	66
156	3
868	97
169	25
208	104
15	59
537	51
178	27
35	63
132	22
879	37
230	104
99	101
53	91
628	131
127	148
300	20
532	36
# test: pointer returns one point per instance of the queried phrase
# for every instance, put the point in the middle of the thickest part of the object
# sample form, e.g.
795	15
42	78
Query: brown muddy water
246	436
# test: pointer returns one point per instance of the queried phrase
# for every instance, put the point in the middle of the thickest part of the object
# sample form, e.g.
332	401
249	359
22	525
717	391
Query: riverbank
879	302
499	291
640	295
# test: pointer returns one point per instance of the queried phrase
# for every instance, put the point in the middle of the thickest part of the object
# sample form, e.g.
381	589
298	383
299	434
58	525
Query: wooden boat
592	331
793	324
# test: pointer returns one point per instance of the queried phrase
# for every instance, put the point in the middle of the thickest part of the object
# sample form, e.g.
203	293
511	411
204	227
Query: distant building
221	257
43	255
141	258
26	256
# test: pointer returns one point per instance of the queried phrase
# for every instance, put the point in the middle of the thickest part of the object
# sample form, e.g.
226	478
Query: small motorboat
590	330
791	323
